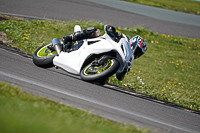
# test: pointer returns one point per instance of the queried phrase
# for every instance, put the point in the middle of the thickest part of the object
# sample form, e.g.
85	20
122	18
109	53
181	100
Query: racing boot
120	76
111	31
70	39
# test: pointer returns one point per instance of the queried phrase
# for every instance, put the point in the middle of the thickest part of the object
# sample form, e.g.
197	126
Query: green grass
188	6
169	70
24	113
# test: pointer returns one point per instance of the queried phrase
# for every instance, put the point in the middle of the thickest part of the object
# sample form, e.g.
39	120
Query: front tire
100	73
43	57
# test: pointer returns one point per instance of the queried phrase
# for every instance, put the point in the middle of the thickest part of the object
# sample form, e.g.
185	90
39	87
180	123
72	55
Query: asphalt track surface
107	101
58	85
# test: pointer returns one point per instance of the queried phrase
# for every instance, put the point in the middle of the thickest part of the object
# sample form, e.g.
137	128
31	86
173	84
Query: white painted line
25	16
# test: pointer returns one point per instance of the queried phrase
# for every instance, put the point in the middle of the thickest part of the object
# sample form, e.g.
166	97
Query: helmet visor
138	52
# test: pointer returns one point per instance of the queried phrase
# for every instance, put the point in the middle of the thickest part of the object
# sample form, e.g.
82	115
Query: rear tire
43	57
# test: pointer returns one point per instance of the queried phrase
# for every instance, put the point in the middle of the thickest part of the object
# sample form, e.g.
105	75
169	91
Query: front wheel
43	56
95	72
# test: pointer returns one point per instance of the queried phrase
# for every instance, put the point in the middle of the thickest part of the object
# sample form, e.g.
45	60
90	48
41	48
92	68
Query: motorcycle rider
92	32
137	44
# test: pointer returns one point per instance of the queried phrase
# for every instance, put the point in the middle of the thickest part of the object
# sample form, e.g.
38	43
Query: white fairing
73	61
129	57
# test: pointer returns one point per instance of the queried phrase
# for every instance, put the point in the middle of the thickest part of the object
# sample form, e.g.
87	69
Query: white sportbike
95	60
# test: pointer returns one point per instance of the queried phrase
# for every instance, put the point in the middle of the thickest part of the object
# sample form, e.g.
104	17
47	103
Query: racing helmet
138	46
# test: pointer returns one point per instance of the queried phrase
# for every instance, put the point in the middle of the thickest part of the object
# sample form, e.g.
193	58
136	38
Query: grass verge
169	70
24	113
188	6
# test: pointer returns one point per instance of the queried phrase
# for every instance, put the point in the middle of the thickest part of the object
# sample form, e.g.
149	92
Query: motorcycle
94	60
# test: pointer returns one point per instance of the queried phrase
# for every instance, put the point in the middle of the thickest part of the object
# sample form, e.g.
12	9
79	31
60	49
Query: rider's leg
74	37
90	32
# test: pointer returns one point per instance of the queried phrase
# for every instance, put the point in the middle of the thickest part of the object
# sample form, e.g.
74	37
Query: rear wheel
99	72
43	56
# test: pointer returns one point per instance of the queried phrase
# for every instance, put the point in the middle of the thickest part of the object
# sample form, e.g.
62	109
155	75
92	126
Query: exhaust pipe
57	45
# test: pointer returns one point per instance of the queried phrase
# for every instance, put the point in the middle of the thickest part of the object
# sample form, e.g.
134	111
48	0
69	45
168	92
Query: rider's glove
110	30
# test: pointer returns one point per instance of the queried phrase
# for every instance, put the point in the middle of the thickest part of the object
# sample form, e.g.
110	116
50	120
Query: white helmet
138	46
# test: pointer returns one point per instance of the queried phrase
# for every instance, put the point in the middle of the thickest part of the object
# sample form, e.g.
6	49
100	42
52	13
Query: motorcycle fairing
129	57
73	61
